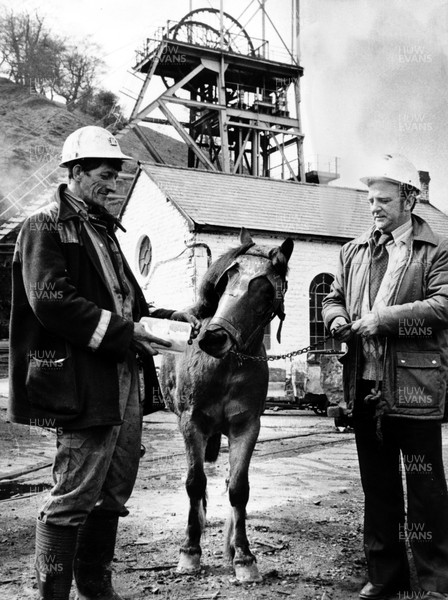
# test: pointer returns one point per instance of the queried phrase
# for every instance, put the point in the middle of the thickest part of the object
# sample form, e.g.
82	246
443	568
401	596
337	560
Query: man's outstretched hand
188	318
142	341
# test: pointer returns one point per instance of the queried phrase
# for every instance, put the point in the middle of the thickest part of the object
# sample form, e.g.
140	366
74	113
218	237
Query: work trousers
412	447
96	468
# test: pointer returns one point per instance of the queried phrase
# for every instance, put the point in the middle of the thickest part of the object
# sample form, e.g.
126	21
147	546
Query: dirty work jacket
414	325
59	291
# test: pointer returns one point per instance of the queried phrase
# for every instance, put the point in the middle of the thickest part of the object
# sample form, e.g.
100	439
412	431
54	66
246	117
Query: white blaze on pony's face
251	290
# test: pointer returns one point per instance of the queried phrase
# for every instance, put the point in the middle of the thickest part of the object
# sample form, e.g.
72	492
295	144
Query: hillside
33	129
32	132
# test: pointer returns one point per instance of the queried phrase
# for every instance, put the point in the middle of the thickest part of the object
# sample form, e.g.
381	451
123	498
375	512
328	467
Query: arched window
144	255
319	288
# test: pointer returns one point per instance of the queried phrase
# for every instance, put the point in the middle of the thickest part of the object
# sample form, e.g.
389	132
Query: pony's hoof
248	573
189	563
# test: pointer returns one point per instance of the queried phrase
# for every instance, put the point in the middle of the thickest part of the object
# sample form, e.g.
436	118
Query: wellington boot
55	549
94	555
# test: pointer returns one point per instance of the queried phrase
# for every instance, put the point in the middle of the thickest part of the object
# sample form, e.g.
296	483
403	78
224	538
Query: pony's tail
229	530
213	447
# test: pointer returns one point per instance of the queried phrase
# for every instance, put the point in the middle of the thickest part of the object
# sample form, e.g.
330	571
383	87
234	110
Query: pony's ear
286	248
281	255
245	237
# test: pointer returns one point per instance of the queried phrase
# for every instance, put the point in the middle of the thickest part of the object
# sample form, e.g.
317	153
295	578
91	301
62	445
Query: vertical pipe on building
296	26
221	24
255	153
222	114
297	30
263	27
283	159
293	26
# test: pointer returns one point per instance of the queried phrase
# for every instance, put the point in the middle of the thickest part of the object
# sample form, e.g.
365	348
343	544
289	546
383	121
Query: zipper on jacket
394	299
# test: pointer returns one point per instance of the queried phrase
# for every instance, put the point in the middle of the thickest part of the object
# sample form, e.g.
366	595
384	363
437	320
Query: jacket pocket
51	382
419	381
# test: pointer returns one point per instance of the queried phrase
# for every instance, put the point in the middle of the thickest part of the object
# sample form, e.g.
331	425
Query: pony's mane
208	298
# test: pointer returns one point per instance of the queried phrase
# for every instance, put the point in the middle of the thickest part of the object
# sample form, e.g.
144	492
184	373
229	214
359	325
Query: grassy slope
33	129
32	132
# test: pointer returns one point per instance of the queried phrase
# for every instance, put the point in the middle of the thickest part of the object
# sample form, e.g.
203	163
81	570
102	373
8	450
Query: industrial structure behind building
235	104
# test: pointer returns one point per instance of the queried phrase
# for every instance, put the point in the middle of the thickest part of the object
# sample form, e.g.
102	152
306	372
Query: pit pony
213	392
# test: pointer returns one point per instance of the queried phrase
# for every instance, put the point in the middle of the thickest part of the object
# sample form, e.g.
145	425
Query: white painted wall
169	283
309	258
174	284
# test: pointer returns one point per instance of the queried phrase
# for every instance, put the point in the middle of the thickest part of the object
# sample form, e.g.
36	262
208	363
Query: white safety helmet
396	168
91	142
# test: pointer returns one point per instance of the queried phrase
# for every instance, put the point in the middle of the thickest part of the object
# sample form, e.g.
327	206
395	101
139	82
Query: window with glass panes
319	288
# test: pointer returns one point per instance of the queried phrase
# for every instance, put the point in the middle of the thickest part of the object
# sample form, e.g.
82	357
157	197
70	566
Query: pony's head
243	291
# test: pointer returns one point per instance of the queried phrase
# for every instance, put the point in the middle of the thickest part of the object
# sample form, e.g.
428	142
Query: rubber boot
55	549
94	555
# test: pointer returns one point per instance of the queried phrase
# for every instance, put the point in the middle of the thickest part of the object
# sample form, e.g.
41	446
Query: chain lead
240	356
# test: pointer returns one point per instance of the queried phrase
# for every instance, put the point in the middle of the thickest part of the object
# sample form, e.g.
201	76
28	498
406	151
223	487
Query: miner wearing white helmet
91	142
389	303
74	340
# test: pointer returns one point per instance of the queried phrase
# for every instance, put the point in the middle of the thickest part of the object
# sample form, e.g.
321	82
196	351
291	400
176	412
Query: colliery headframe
241	106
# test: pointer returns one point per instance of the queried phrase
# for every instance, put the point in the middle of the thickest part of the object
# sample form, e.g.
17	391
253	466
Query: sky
375	71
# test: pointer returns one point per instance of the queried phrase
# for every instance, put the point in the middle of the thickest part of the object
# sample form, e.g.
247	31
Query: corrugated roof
215	199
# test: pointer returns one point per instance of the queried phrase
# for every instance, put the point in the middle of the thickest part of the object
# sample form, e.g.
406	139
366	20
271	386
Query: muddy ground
304	514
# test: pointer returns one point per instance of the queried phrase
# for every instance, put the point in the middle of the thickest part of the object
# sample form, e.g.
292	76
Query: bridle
261	266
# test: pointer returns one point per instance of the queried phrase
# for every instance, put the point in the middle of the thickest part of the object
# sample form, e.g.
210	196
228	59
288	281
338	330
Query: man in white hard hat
74	340
389	303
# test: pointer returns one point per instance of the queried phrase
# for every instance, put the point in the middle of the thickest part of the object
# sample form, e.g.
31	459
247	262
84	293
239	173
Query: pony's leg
195	443
242	439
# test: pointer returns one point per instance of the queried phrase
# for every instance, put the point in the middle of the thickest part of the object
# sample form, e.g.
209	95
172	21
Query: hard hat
91	142
396	168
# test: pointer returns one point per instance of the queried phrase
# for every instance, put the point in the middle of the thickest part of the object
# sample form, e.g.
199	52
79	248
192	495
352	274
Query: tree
104	107
46	64
76	74
28	49
43	62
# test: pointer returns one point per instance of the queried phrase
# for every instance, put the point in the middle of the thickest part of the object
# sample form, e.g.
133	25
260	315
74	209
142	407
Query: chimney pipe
424	181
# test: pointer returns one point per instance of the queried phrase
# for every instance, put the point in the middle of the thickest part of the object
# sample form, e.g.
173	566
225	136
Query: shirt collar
402	234
75	198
